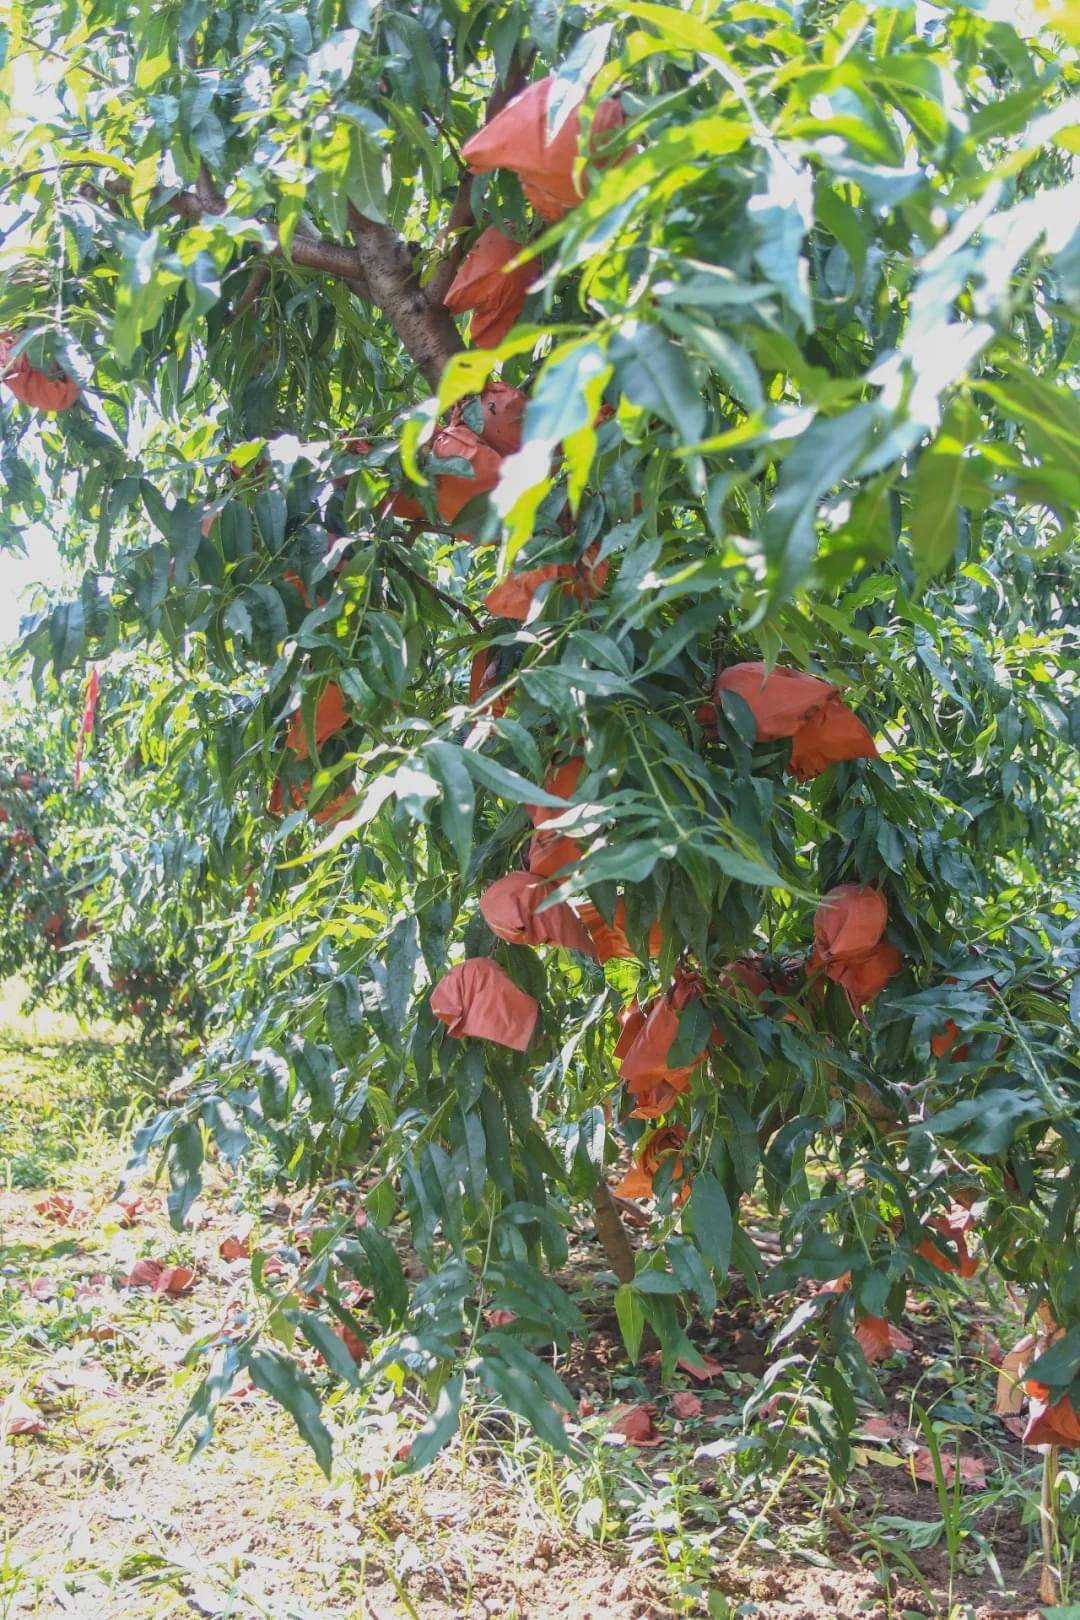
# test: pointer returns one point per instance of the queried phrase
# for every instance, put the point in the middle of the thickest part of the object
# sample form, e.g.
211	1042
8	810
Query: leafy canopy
798	370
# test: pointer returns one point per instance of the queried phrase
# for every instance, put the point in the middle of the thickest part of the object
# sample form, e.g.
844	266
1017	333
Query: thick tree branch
307	251
617	1247
426	331
260	275
379	268
457	226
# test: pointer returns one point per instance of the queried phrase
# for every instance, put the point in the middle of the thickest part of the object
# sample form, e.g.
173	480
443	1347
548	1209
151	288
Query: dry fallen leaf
62	1210
878	1338
685	1405
171	1280
972	1469
635	1424
16	1417
1010	1389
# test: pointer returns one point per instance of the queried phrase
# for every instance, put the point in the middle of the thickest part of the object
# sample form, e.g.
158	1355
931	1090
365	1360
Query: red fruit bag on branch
483	678
513	597
484	285
331	716
661	1144
560	782
454	491
478	998
503	408
833	734
518	138
93	688
849	922
510	909
646	1061
609	938
789	703
39	389
848	944
552	854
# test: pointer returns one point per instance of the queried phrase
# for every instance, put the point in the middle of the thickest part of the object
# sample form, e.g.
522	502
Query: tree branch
430	586
457	226
310	252
617	1247
427	332
260	275
379	268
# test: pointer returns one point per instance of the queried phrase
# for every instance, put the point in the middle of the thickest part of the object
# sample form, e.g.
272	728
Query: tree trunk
618	1250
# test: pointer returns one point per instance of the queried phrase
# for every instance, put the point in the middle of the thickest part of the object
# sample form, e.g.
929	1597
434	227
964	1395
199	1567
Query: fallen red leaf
242	1388
972	1469
883	1428
18	1418
710	1368
635	1424
234	1248
685	1405
499	1318
126	1209
353	1344
878	1338
171	1280
61	1209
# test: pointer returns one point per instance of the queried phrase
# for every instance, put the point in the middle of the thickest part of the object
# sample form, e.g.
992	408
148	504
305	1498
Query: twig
260	275
430	586
80	67
55	168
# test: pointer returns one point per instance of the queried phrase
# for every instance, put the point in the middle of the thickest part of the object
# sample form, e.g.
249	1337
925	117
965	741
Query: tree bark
425	329
618	1250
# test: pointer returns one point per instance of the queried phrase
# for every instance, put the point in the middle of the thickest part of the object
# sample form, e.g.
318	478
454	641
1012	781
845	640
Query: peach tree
596	487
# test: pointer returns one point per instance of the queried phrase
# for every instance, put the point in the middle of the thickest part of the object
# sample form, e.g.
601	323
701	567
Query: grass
106	1515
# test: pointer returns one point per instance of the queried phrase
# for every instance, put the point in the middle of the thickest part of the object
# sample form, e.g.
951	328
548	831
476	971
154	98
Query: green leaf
713	1224
381	1267
939	481
631	1318
396	991
507	784
654	373
345	1022
522	1394
184	1159
365	185
630	863
986	1124
292	1389
322	1338
440	1427
458	804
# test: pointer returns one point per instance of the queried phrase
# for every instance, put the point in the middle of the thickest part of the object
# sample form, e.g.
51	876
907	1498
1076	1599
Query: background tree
780	379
